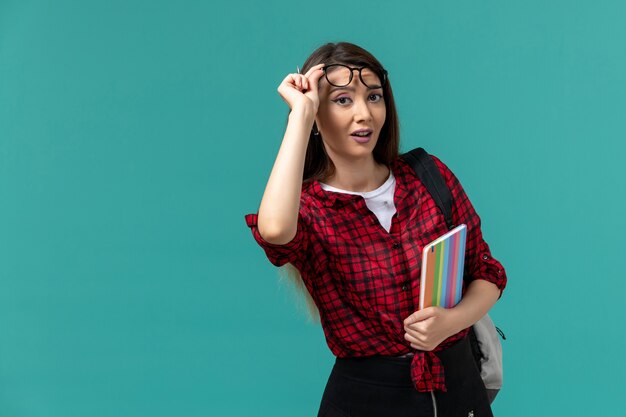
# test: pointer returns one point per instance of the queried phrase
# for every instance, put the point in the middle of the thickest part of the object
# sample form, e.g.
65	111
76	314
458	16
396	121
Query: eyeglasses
340	75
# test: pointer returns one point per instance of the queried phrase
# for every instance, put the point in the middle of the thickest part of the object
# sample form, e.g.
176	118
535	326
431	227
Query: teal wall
134	136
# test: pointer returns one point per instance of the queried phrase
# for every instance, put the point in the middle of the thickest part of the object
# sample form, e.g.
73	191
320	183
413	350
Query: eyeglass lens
341	75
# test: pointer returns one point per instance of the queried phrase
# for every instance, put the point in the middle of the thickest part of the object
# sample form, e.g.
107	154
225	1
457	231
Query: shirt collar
330	198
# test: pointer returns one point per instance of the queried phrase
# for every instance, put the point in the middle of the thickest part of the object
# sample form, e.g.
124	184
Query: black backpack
428	173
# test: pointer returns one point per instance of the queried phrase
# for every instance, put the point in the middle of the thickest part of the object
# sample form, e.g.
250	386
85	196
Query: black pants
382	387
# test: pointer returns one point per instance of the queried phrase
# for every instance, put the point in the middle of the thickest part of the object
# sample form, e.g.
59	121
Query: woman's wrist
305	113
459	320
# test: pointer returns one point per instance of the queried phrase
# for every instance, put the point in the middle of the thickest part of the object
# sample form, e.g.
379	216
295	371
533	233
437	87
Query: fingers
312	77
427	328
421	339
420	315
414	338
301	89
417	329
297	81
313	69
305	82
420	342
290	83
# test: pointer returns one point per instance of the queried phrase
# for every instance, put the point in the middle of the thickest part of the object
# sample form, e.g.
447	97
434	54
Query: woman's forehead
369	75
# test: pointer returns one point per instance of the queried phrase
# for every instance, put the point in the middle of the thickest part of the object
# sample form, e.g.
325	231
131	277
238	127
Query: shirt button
405	286
395	245
485	257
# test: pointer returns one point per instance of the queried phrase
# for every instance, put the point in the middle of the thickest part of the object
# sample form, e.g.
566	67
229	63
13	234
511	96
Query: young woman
352	218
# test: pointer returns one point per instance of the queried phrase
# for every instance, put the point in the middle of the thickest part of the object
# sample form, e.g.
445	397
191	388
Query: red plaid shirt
366	281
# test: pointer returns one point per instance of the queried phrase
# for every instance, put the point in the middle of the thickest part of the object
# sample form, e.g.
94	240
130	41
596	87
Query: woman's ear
316	132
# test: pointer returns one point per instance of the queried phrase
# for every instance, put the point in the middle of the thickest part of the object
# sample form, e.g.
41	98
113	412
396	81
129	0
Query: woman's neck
363	177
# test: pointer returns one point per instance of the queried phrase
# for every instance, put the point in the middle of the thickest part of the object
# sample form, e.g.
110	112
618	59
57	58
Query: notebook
443	261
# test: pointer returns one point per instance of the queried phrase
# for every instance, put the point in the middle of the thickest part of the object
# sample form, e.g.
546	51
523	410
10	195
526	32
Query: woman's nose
362	110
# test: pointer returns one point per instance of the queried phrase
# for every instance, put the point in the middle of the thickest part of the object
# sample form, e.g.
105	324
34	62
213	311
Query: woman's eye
345	100
341	100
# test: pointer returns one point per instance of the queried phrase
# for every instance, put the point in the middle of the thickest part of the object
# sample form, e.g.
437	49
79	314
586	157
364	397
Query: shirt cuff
278	255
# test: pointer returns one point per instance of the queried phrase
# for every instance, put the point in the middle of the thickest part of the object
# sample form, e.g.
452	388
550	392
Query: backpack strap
428	173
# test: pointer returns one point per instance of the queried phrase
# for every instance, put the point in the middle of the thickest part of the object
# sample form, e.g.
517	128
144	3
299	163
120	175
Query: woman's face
343	111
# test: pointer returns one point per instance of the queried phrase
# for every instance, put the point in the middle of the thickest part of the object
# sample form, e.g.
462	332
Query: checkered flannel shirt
364	280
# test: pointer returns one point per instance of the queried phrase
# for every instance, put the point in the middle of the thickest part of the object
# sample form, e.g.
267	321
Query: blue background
135	135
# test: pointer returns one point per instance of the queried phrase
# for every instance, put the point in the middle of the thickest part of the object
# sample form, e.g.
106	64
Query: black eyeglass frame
383	78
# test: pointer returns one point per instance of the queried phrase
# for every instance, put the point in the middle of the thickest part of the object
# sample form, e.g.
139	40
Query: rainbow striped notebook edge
443	261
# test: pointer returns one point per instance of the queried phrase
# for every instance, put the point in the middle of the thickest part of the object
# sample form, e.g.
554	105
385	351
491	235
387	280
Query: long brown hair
317	164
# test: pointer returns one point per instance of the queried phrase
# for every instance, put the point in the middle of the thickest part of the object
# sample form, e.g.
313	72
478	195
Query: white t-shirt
379	201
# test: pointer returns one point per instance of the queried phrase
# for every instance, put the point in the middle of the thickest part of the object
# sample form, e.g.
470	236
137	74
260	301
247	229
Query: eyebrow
351	88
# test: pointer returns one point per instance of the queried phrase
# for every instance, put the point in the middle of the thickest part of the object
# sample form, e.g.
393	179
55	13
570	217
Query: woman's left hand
427	328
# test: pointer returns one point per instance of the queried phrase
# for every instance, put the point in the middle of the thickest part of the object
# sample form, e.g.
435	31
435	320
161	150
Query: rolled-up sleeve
279	255
479	263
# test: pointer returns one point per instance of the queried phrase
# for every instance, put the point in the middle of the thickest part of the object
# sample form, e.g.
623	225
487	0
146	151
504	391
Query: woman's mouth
362	136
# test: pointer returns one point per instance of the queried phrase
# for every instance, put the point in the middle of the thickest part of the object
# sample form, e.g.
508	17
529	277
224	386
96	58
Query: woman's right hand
300	90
